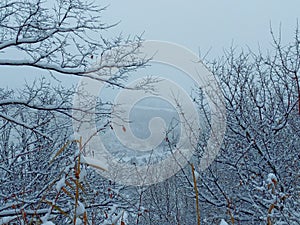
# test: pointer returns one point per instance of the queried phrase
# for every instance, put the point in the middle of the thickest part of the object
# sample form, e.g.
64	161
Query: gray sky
196	24
206	24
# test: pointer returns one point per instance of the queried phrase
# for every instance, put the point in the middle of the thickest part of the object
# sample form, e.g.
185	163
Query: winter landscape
94	136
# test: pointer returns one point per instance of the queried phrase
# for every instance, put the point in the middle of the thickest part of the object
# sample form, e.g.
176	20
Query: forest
44	176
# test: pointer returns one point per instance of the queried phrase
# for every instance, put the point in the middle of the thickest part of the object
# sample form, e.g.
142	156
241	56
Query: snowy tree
42	178
40	168
255	179
64	37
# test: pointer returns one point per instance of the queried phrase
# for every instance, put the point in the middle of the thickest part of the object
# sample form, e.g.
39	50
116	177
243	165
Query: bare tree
42	178
66	38
62	38
256	178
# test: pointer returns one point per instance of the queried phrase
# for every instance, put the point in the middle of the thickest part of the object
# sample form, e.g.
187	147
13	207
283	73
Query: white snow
223	222
80	209
60	183
48	223
74	136
271	178
197	175
7	219
96	163
79	221
82	174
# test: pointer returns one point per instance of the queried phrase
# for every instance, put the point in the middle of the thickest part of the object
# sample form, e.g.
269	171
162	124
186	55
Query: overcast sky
196	24
206	24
